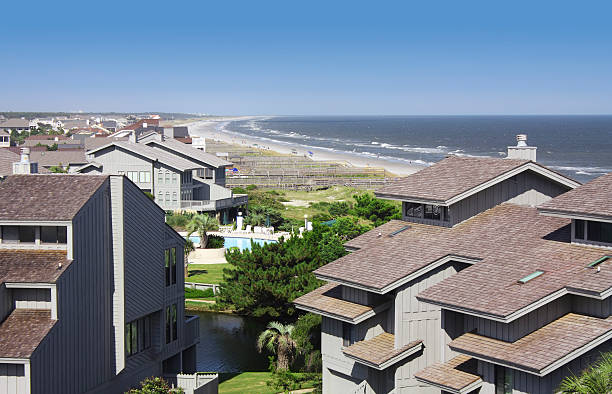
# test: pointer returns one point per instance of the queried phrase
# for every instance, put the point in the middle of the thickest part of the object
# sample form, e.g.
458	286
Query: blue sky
308	57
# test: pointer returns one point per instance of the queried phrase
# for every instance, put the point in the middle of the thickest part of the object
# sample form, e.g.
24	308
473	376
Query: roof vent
530	277
598	261
393	234
522	151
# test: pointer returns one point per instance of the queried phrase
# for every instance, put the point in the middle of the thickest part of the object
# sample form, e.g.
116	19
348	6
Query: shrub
376	210
339	208
215	242
239	190
196	293
178	220
251	187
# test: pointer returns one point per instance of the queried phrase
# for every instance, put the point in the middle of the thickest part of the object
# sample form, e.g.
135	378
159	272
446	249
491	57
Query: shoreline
215	130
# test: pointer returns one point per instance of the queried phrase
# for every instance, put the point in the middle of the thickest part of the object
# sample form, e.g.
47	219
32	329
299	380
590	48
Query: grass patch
195	293
206	273
197	306
249	382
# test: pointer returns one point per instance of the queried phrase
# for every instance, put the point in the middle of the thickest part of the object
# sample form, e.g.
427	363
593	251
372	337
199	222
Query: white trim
8	360
29	285
390	361
463	390
421	271
35	223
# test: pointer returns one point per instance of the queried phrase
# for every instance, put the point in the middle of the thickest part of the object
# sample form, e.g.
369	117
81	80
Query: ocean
578	146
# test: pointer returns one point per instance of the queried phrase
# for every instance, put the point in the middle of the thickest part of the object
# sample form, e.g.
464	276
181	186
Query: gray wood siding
143	253
77	354
13	379
6	304
591	306
418	320
526	188
32	298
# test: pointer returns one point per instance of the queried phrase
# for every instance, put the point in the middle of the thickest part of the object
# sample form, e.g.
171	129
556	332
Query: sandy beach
215	129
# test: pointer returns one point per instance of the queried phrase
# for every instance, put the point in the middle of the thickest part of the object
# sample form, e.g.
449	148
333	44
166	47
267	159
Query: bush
339	208
154	385
178	220
196	293
307	335
258	214
376	210
239	190
215	242
251	187
321	217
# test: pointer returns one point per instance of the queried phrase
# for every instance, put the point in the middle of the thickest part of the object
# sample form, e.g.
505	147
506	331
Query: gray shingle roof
7	158
379	350
32	266
591	199
46	197
163	157
451	375
452	177
73	157
508	241
15	123
328	299
539	349
22	331
190	151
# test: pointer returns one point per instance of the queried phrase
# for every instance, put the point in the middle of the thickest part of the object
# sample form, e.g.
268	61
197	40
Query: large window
27	234
503	380
414	210
432	212
174	178
426	211
53	234
144	177
137	335
170	263
160	176
599	231
171	323
579	229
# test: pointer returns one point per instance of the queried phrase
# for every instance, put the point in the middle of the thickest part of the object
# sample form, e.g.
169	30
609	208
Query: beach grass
332	194
250	382
206	273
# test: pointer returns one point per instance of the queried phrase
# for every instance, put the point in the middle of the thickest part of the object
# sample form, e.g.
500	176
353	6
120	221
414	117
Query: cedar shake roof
539	352
380	232
452	376
22	331
591	199
32	266
506	243
379	352
449	178
46	197
327	299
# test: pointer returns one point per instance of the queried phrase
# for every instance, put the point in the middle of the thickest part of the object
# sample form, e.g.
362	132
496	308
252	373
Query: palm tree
202	224
277	340
596	379
189	247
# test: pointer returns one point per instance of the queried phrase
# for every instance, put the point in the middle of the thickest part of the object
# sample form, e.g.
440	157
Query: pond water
237	242
227	343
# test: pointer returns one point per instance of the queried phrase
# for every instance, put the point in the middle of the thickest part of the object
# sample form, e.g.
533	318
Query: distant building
18	125
5	139
497	280
87	303
178	176
70	124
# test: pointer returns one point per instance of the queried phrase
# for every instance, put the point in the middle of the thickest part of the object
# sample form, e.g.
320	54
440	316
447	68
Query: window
160	176
137	335
160	196
167	176
10	234
348	335
503	380
167	260
209	173
599	231
144	177
27	234
53	234
133	176
173	264
174	178
174	196
445	216
171	323
432	212
579	229
414	210
167	196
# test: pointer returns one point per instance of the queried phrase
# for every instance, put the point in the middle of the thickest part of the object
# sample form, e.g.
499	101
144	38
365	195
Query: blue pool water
238	242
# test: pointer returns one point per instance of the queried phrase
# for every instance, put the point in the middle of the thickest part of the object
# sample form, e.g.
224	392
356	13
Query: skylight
530	277
599	261
393	234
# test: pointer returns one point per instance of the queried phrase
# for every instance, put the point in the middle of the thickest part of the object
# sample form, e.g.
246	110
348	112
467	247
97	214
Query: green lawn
206	273
247	382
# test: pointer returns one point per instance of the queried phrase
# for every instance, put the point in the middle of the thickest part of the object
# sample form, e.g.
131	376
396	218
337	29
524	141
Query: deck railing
197	383
214	205
192	330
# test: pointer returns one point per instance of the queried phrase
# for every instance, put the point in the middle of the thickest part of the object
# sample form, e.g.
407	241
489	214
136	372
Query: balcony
192	330
215	205
201	383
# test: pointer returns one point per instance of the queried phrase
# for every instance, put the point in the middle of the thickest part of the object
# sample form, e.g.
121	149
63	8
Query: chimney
132	137
24	166
144	125
522	151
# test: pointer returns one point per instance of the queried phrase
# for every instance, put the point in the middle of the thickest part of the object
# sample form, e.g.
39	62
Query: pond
227	343
238	242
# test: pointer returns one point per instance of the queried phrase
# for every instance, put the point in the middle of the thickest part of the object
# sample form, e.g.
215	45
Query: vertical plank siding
6	304
13	379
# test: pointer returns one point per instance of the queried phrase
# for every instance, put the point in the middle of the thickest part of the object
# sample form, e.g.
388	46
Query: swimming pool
237	242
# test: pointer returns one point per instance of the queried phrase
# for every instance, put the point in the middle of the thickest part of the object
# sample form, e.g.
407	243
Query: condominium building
91	287
177	175
497	280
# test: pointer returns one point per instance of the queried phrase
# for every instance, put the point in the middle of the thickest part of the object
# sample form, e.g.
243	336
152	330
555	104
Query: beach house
489	284
177	175
15	124
91	287
5	139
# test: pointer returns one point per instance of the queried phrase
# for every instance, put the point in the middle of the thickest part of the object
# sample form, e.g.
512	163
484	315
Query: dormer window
593	231
426	211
